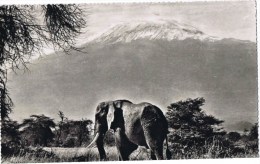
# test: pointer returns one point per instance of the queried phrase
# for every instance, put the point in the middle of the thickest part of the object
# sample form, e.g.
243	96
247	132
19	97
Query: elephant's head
106	117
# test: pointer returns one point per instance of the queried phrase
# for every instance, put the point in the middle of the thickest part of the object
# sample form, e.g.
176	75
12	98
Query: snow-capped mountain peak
165	30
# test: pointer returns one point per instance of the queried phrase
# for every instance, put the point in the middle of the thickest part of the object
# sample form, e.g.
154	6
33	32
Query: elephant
134	125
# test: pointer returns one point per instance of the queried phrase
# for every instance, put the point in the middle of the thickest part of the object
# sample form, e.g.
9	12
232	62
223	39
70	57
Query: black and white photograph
93	82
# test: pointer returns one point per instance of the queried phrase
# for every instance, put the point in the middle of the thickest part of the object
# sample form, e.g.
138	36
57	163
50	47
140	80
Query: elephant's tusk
92	144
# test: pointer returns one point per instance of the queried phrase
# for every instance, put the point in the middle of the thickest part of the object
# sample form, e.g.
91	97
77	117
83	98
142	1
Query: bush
234	136
190	126
109	139
70	142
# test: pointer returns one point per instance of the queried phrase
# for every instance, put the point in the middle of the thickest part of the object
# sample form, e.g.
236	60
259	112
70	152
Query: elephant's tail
168	152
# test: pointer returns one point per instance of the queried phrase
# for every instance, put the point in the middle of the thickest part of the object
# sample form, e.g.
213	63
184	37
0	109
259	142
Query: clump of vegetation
73	133
10	138
37	130
195	134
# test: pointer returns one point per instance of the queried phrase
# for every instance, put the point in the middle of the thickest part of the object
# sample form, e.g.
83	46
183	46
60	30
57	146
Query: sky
221	19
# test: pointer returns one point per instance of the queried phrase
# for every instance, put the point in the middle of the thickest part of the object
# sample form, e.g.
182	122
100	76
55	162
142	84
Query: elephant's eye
103	111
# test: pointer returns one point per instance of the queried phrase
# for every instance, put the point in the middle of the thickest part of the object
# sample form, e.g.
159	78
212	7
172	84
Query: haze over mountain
240	126
159	62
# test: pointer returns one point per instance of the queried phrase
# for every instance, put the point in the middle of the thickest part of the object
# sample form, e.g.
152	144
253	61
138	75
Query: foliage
64	23
253	138
60	125
23	35
5	101
234	136
253	134
191	125
37	130
71	133
10	132
194	134
10	137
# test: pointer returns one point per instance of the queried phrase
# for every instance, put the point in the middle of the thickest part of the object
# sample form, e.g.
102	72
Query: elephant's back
142	106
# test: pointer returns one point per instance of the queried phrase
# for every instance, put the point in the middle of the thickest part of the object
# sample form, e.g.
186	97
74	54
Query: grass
85	154
74	155
93	155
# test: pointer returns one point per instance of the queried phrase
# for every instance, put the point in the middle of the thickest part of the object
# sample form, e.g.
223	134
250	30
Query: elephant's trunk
100	130
100	146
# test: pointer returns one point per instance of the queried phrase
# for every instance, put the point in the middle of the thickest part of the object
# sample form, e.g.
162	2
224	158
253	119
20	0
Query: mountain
163	30
142	68
240	126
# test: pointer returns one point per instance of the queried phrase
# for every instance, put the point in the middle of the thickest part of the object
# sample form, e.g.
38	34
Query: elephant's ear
98	107
104	106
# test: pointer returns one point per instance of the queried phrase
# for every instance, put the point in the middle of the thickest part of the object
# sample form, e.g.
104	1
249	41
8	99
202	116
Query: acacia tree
190	125
10	138
5	101
253	138
234	136
74	132
60	127
253	134
37	130
23	35
10	132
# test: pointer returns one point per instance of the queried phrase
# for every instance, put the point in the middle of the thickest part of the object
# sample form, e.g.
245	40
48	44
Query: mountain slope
161	72
240	126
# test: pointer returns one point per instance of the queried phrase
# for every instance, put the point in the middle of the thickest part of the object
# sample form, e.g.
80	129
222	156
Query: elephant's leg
153	157
154	137
155	130
156	149
124	146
